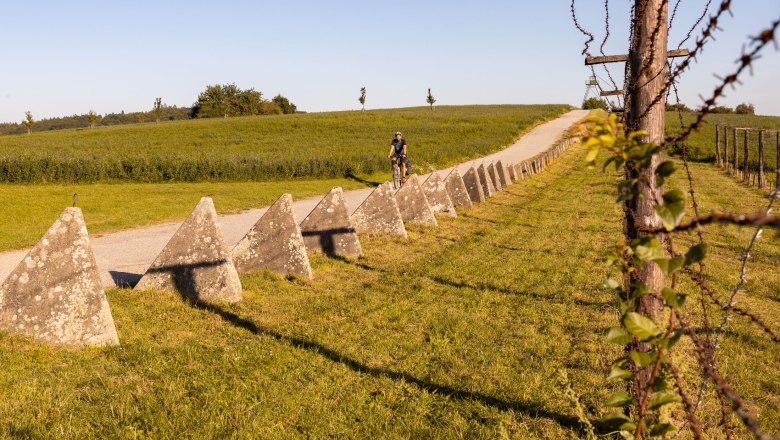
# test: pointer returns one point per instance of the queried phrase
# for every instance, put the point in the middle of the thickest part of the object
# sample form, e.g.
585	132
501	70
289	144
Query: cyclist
398	153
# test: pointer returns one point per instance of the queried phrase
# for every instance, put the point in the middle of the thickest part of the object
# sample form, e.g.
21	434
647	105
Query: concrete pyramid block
474	185
493	173
487	183
55	294
379	213
457	190
503	174
512	169
413	203
437	195
329	230
195	261
519	171
274	243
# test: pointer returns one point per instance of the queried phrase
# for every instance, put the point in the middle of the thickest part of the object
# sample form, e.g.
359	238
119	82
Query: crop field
264	148
702	143
424	346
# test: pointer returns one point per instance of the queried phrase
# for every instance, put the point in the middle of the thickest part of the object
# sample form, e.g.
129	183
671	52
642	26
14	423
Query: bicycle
397	179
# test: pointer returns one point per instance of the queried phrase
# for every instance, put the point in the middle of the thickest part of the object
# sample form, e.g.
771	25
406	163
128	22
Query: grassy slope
28	210
459	332
319	145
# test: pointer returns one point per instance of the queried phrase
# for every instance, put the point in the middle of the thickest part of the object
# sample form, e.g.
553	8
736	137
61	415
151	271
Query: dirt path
123	256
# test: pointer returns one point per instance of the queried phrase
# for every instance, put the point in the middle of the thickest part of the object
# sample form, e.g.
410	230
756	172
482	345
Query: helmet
397	133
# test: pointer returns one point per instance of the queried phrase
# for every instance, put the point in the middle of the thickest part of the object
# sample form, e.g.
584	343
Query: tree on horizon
430	99
362	99
157	109
28	122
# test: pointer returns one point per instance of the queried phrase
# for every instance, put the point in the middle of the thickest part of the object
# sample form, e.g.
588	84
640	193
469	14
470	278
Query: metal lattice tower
592	88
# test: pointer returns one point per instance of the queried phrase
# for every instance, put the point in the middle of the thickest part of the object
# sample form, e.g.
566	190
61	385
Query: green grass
701	144
460	332
263	148
29	210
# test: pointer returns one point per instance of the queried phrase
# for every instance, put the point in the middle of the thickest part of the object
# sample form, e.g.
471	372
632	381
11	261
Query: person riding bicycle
398	154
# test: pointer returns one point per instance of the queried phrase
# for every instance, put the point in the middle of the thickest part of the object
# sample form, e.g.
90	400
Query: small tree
92	119
594	103
28	122
430	99
284	104
745	108
158	109
362	98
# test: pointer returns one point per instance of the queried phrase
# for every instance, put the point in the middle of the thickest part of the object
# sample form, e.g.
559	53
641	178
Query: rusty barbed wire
586	50
760	219
721	385
695	24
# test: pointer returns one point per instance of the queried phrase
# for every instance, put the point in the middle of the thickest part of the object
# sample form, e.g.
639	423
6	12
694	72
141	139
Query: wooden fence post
761	158
746	170
717	145
726	147
777	162
736	152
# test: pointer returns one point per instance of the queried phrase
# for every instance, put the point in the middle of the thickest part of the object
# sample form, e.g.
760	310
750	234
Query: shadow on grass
361	180
248	325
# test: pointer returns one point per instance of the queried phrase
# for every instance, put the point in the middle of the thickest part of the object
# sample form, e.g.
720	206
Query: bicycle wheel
396	177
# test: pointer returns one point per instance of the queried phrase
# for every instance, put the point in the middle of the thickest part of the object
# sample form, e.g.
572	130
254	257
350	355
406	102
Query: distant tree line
216	101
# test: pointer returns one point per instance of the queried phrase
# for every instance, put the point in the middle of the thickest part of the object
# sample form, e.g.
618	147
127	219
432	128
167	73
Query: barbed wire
695	24
586	50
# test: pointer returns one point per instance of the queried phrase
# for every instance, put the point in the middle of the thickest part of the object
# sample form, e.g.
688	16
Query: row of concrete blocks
55	294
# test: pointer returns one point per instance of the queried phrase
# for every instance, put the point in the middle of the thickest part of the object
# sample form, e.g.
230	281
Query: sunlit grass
462	331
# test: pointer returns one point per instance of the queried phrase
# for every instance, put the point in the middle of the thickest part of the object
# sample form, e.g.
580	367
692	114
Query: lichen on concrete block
413	203
474	185
487	183
328	228
379	213
55	294
274	243
437	195
512	170
503	174
457	190
196	261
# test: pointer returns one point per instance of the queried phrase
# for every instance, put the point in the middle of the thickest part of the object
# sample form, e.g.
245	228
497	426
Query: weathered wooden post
726	147
736	152
777	162
745	169
760	158
717	145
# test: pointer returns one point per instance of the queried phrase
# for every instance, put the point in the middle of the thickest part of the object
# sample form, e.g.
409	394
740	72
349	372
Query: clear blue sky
62	58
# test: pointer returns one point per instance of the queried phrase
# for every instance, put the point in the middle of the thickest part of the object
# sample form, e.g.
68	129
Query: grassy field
702	143
475	329
264	148
29	210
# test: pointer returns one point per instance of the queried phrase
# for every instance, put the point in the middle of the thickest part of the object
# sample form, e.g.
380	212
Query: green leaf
661	399
619	373
674	299
618	335
618	422
612	284
619	399
661	429
647	248
670	265
695	254
664	170
642	359
640	326
672	210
